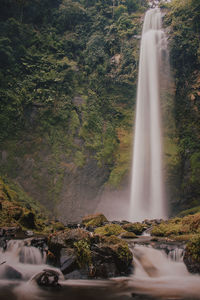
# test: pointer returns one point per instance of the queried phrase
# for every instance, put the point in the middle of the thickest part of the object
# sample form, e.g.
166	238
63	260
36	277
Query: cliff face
67	83
182	21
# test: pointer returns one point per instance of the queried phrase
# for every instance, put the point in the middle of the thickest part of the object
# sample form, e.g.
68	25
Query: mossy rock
193	248
16	209
83	253
128	235
192	255
178	226
120	248
28	220
95	220
66	238
109	229
136	228
58	226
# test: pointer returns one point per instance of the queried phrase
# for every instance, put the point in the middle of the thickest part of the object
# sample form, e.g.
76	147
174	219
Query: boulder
136	228
66	239
192	255
28	220
192	264
39	242
109	229
95	220
111	258
77	274
68	261
3	243
47	278
128	235
10	232
80	254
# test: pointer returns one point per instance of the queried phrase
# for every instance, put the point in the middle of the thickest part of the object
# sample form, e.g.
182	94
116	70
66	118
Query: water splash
147	188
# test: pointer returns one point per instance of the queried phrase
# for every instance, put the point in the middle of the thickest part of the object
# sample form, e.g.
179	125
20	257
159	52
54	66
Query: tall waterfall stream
147	188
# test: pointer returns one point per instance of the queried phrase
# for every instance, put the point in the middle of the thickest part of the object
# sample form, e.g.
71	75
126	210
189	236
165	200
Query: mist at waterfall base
156	274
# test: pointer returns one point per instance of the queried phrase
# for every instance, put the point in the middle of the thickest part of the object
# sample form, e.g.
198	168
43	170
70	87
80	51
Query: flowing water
147	188
156	276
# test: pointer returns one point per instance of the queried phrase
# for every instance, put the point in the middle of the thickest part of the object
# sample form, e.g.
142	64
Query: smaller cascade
20	260
21	251
176	254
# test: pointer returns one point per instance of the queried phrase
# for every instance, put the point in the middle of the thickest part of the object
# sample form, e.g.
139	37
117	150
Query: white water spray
147	189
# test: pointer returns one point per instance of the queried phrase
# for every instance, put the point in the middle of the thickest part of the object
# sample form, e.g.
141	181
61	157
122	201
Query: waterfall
156	274
147	189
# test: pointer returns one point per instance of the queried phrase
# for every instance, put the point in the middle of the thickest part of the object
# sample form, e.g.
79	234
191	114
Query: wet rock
137	228
95	220
111	257
72	225
10	232
77	274
68	261
192	255
128	235
47	278
104	262
28	220
11	273
39	242
3	243
82	255
66	239
109	229
192	265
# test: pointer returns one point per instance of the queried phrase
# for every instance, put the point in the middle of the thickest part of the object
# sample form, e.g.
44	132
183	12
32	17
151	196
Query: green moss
109	229
79	159
193	247
128	235
178	226
83	253
18	209
136	228
119	246
94	220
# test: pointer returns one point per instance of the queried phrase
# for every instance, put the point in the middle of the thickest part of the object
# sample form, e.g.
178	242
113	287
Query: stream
158	274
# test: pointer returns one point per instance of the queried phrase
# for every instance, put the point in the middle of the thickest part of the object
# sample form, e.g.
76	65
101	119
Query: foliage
83	253
183	24
193	248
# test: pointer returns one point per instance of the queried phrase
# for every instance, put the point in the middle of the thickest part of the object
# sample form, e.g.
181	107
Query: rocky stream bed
95	258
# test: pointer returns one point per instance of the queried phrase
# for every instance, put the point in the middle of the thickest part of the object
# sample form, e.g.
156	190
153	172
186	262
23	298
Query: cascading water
147	189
